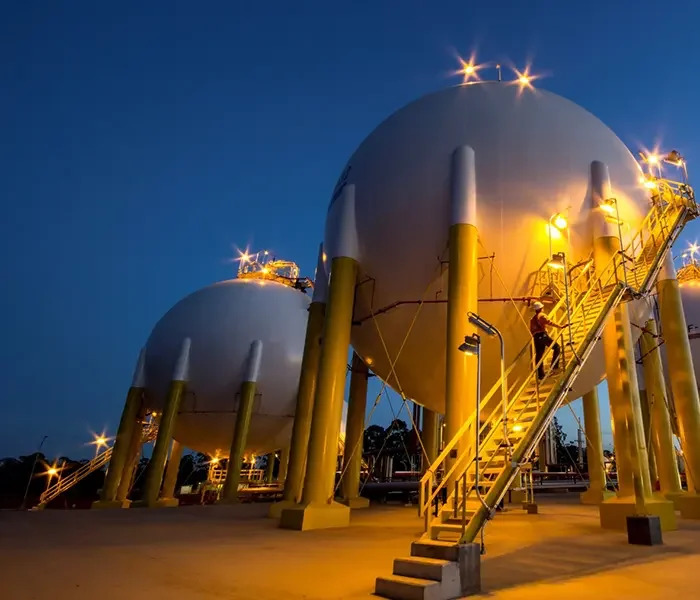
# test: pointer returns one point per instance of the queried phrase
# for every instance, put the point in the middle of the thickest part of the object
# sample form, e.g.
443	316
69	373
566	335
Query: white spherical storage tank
533	151
222	320
690	293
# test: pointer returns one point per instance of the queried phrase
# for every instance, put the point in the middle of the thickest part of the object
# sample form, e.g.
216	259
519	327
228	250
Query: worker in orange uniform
538	329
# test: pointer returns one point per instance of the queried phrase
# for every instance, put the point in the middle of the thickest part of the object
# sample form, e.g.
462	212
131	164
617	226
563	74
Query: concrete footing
689	505
358	502
469	560
614	512
644	530
314	515
276	508
101	504
595	497
517	496
530	507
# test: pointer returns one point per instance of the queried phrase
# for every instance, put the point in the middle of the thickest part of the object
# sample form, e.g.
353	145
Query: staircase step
397	587
435	549
434	569
438	528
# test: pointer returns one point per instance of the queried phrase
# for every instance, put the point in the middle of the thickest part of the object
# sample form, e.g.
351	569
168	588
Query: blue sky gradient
141	141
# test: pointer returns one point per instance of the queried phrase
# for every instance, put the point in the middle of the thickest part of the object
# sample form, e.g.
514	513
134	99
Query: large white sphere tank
222	320
533	153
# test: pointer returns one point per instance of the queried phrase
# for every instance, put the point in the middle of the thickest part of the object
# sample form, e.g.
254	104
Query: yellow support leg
284	462
229	494
684	386
270	468
462	298
354	432
317	509
304	408
167	496
430	437
660	421
156	466
128	430
597	488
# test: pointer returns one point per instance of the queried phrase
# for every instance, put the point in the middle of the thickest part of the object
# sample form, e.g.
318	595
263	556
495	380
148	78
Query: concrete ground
232	553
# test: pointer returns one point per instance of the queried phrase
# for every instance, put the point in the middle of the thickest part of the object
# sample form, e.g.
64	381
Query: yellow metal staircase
148	434
459	495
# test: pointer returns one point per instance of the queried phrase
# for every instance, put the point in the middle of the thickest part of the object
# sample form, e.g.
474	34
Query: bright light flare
517	428
693	249
607	207
553	232
559	221
653	159
468	69
524	79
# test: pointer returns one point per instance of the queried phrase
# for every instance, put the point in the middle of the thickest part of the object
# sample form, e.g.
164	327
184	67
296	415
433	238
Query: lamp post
492	330
31	474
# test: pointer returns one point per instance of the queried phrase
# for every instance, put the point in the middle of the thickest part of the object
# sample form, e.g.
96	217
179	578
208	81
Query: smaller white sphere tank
689	278
222	321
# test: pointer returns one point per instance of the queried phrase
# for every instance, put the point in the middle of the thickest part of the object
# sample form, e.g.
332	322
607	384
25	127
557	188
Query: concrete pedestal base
517	496
595	497
614	512
276	508
469	560
303	517
689	505
644	530
111	504
530	507
359	502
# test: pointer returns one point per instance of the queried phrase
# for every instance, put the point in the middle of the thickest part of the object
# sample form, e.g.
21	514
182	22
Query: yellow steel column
229	494
660	421
317	509
167	496
284	462
430	438
270	468
354	433
623	388
684	386
156	466
305	394
132	459
128	429
644	404
462	296
597	487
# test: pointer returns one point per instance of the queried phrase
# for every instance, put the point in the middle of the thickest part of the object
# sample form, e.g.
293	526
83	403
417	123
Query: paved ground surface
232	553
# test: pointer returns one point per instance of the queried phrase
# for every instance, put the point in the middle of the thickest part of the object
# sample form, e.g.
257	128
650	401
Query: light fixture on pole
492	331
471	345
557	261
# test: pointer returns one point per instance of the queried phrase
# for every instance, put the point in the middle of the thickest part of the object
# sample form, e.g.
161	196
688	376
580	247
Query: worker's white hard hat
537	305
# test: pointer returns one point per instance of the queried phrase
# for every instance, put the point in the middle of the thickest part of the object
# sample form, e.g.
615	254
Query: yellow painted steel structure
270	468
229	494
660	421
354	431
651	455
132	458
626	412
284	463
317	509
683	383
166	426
461	371
171	470
301	429
430	435
597	487
128	431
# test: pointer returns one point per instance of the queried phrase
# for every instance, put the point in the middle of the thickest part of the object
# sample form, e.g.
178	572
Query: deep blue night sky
141	141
